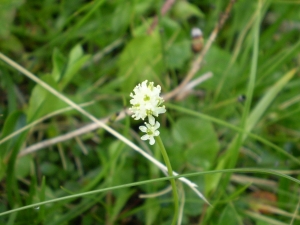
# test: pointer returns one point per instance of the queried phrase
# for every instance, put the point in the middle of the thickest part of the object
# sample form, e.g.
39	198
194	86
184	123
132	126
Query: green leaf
75	54
122	16
140	60
11	124
42	101
198	141
58	61
75	62
141	6
178	54
184	10
16	121
229	214
150	211
22	166
49	169
220	57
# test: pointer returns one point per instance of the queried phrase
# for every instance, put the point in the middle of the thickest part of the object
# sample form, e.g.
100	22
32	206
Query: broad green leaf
183	10
141	30
75	62
221	58
229	214
198	141
49	169
140	60
141	6
42	101
178	54
150	211
22	166
122	16
75	54
58	61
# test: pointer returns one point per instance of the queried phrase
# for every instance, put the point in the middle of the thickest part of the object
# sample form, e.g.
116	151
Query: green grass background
94	53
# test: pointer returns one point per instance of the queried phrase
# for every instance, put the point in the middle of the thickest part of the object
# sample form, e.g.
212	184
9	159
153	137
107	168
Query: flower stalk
172	180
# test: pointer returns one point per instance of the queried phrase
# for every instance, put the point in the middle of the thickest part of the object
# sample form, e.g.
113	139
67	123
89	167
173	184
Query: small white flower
151	130
146	101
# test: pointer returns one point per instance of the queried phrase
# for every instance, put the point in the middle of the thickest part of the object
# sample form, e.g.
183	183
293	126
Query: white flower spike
146	101
151	130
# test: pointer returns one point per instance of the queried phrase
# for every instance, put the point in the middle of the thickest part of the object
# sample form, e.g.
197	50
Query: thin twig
190	86
44	144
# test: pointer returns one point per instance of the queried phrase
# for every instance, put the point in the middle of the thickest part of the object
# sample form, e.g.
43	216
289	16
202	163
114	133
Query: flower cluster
146	102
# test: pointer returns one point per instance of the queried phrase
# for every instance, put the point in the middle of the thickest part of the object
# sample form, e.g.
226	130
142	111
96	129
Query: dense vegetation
232	122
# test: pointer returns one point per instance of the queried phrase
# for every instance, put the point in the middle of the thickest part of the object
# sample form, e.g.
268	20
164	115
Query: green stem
170	173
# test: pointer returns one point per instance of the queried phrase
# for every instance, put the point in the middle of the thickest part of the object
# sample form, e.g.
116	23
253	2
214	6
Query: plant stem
170	173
